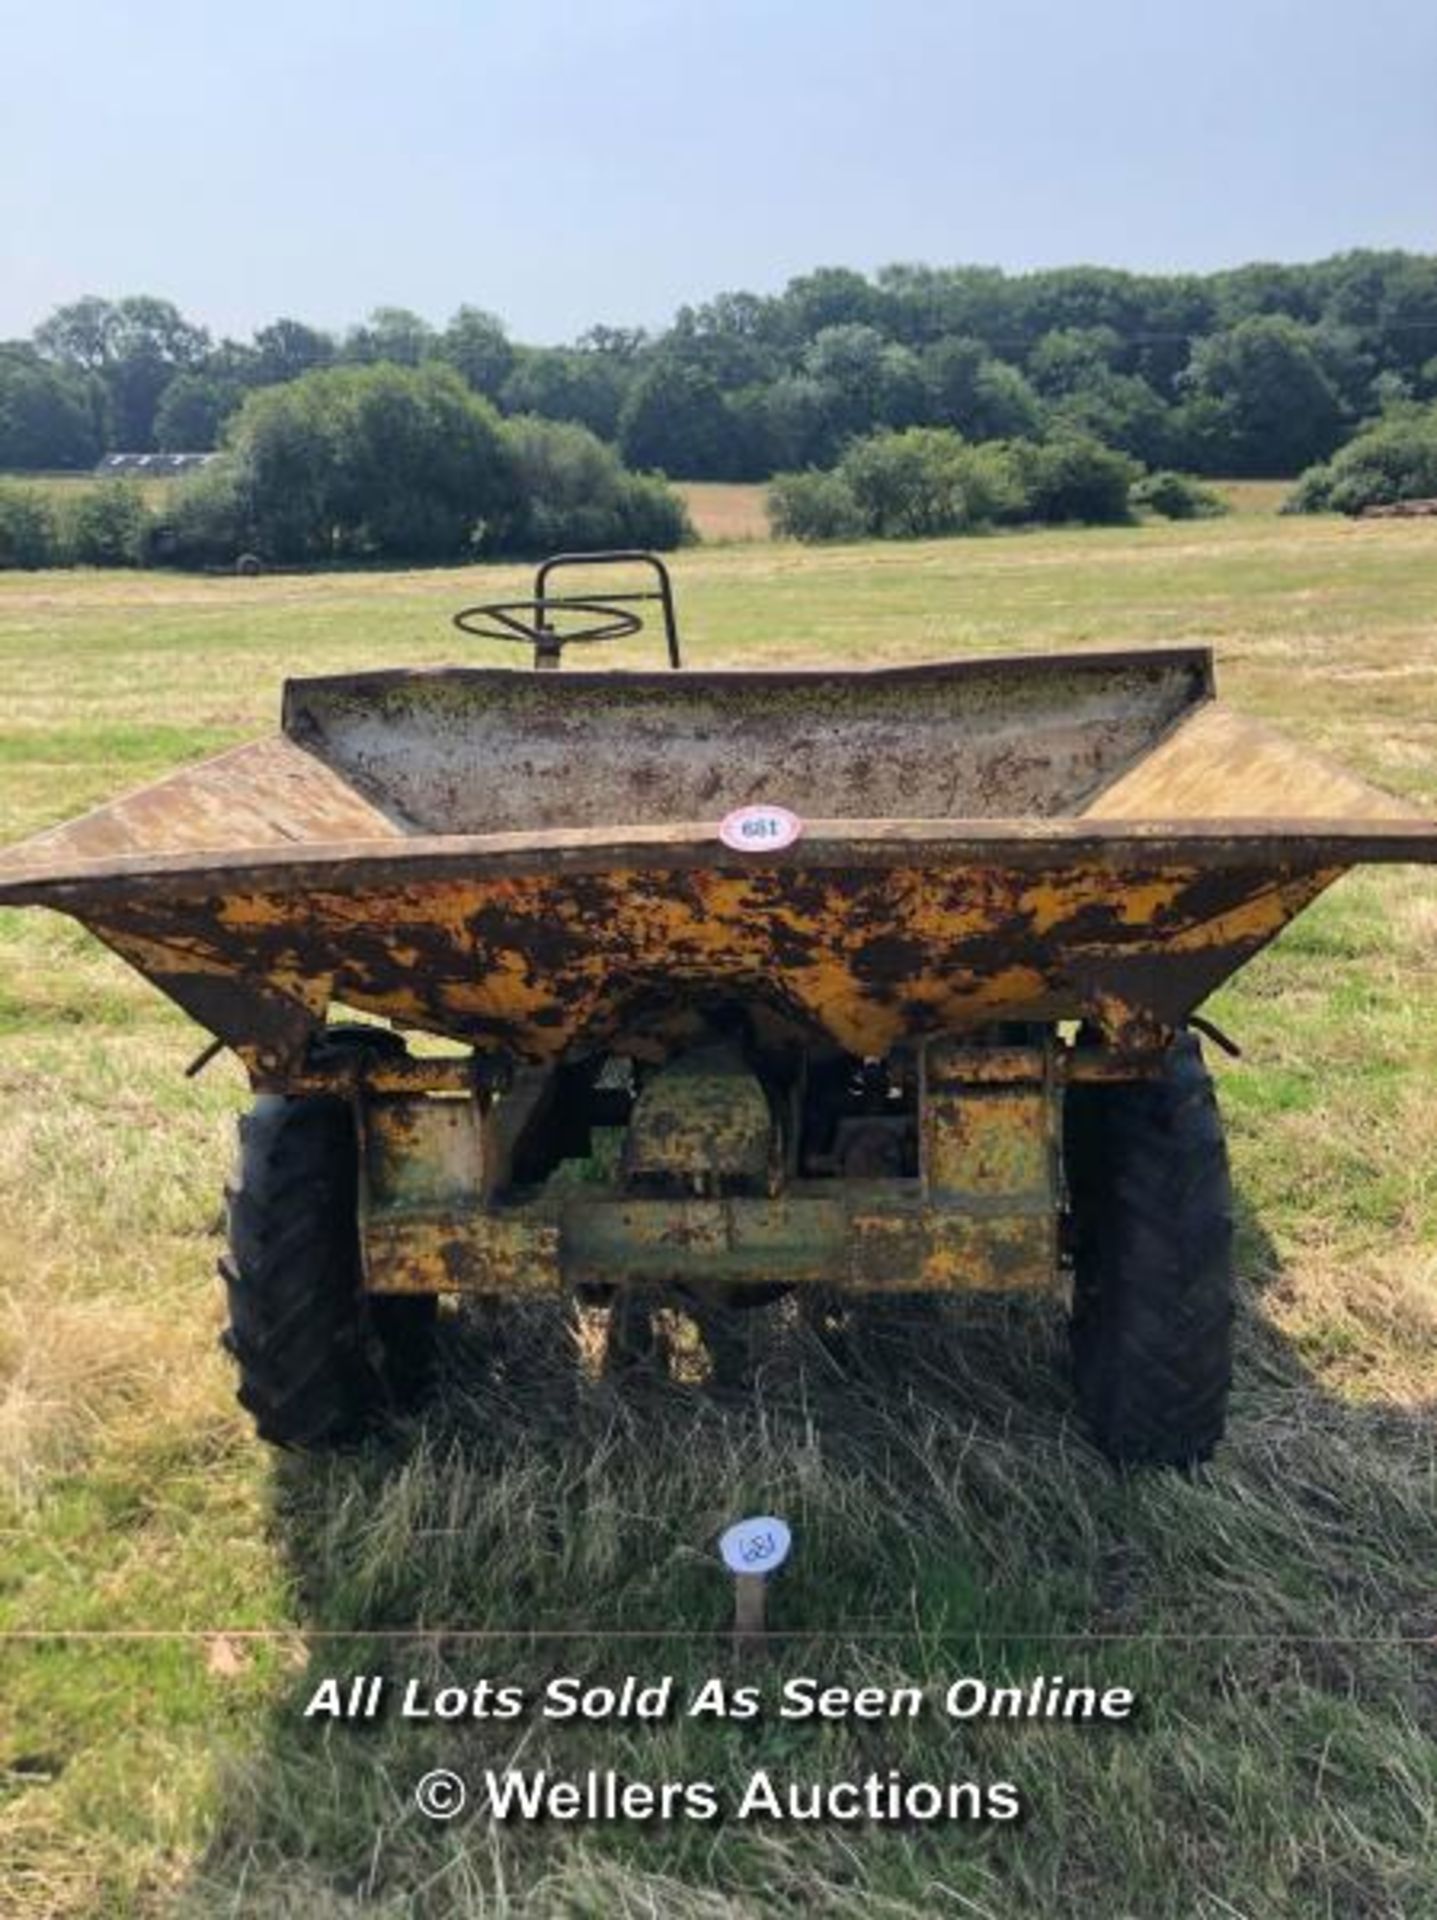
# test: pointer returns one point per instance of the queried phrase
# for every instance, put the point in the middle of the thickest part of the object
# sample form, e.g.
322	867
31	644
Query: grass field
725	511
64	486
1277	1613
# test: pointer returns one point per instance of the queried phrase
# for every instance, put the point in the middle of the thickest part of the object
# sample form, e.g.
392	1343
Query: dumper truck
712	986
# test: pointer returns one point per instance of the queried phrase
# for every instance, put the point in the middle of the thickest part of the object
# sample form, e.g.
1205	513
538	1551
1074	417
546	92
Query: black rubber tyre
1151	1237
318	1358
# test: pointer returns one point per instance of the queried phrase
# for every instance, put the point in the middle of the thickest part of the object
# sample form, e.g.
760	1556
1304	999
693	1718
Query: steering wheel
581	618
530	622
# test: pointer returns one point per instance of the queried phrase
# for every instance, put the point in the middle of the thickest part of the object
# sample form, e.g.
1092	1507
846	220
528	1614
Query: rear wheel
1151	1216
318	1358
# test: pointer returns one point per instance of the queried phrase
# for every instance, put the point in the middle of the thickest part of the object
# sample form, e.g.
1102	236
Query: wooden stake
748	1605
752	1549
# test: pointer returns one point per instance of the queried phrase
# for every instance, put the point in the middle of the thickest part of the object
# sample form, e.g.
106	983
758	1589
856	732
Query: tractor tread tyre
318	1358
1151	1217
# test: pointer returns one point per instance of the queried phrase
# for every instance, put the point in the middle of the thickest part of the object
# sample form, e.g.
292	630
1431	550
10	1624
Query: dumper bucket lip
1146	845
575	682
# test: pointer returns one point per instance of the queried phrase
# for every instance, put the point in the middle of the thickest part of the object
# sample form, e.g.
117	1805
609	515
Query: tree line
1262	369
357	463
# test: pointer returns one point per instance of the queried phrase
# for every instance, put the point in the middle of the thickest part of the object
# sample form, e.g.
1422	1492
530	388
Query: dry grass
938	1482
60	486
723	512
1254	496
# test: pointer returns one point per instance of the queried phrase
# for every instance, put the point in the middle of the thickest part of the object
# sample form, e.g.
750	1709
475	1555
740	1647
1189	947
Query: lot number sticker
758	1545
759	829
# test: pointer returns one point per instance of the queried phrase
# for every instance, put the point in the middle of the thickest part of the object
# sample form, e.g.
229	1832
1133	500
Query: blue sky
567	163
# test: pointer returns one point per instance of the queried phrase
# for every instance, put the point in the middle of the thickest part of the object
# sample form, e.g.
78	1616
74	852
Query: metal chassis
437	1214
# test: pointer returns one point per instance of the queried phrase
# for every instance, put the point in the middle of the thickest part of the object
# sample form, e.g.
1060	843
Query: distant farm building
155	466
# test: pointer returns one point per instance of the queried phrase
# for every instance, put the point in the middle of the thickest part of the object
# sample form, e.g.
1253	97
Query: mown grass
62	486
1277	1612
725	511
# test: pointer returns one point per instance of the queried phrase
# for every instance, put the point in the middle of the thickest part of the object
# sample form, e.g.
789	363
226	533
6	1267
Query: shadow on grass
949	1517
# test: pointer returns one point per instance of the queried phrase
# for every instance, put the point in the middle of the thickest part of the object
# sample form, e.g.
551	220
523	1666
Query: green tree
870	381
1079	298
1177	497
1393	459
799	424
82	334
928	481
1072	359
48	414
1265	288
675	420
29	536
135	346
287	348
1265	404
621	344
192	411
918	484
1403	332
1121	410
923	304
1071	476
383	461
476	345
109	525
813	507
829	297
567	383
1391	392
736	338
209	519
982	397
576	494
393	335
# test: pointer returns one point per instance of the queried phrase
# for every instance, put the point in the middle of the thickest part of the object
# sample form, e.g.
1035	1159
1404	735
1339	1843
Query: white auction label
759	829
756	1546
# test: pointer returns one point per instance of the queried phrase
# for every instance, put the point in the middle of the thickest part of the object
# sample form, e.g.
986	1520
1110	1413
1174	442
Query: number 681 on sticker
759	829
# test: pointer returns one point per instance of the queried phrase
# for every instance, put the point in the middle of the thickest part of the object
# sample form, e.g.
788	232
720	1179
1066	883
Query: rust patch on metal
850	1237
421	1152
539	963
703	1119
465	1253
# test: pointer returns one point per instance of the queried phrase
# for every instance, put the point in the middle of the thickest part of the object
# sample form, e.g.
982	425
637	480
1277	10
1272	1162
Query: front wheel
318	1357
1150	1204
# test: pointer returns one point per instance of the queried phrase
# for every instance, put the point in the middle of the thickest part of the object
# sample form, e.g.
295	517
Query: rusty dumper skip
941	1041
